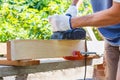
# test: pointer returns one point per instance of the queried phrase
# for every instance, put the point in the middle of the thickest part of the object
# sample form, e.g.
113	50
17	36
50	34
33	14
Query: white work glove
72	10
60	22
63	22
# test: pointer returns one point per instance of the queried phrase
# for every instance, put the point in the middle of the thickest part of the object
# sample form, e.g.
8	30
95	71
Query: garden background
28	19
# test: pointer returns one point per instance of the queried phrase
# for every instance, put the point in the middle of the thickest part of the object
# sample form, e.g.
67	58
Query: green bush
28	19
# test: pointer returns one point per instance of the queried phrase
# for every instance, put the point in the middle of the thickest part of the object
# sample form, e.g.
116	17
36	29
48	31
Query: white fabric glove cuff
72	10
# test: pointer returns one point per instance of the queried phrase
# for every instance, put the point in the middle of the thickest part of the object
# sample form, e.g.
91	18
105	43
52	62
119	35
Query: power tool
73	34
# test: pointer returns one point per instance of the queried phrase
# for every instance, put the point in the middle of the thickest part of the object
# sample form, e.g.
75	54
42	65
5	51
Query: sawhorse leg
1	78
21	77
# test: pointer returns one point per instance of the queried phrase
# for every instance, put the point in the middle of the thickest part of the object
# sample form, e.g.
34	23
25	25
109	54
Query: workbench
47	64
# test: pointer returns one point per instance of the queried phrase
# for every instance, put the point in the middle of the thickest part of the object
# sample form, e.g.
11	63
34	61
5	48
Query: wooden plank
4	61
20	63
3	51
3	47
35	49
91	34
53	64
96	46
9	51
1	78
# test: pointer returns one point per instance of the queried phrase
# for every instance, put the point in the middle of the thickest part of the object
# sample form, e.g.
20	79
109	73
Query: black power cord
86	55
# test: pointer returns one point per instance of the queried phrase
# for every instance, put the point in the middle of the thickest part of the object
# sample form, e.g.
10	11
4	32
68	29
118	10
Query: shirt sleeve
117	1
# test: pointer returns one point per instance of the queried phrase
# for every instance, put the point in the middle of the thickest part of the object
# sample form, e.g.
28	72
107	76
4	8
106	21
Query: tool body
73	34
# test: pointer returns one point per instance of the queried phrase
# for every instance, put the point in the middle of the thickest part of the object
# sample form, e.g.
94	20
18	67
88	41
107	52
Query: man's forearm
103	18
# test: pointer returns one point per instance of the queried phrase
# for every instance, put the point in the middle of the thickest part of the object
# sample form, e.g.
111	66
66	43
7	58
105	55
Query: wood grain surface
35	49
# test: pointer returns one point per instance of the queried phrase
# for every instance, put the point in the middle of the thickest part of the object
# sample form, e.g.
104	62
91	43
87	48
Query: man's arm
103	18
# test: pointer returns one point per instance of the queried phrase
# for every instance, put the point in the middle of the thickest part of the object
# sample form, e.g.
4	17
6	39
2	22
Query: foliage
85	8
28	19
97	34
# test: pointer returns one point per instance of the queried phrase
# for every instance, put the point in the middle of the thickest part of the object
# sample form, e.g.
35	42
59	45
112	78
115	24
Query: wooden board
35	49
3	51
53	64
96	46
4	61
19	63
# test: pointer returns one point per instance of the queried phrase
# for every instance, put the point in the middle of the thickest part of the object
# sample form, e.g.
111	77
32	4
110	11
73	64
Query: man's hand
63	22
72	10
60	22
